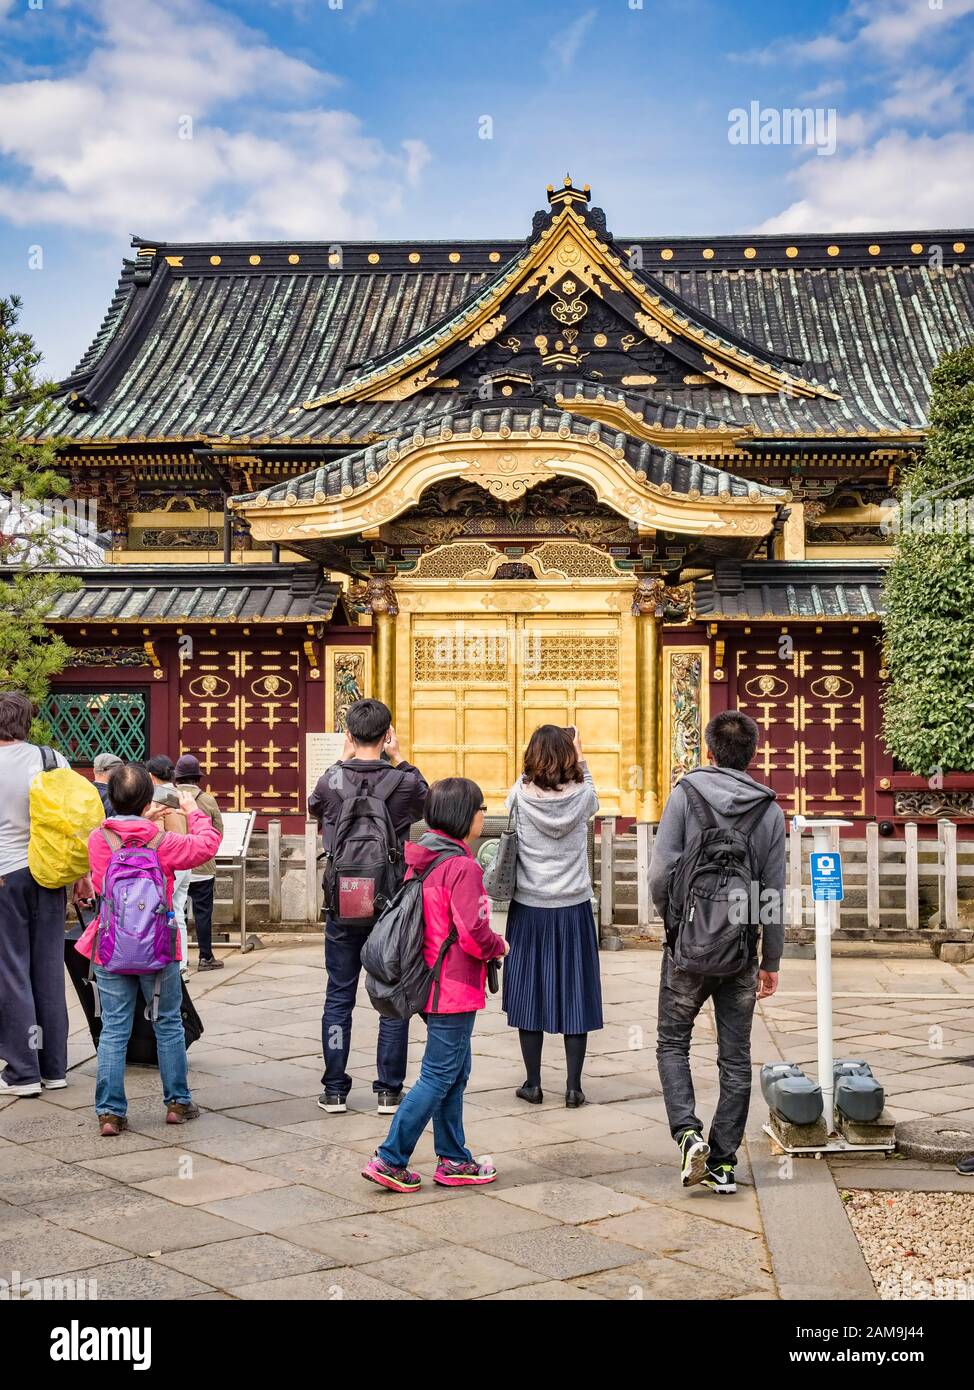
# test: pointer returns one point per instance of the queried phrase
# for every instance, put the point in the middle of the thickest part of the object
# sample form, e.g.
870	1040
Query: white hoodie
552	842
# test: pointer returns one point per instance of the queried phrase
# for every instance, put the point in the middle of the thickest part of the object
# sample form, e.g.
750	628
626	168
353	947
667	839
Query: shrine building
617	482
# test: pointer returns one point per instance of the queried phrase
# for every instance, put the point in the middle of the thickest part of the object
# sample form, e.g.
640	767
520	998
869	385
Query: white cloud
563	48
890	30
102	148
900	182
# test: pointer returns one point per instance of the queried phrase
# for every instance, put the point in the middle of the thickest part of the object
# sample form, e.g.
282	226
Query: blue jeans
119	995
437	1095
343	962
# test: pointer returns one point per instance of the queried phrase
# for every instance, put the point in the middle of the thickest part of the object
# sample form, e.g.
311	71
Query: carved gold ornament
506	476
487	332
209	687
569	311
653	328
272	687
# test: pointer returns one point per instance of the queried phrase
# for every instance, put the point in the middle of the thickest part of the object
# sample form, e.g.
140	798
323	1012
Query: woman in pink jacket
135	822
456	909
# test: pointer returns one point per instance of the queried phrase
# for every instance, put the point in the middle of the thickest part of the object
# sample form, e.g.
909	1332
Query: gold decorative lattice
471	560
461	657
571	658
572	559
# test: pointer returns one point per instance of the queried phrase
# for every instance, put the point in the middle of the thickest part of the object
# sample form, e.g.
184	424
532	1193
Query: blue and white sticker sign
826	878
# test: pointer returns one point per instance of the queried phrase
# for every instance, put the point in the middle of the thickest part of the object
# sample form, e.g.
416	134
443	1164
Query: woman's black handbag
494	974
500	877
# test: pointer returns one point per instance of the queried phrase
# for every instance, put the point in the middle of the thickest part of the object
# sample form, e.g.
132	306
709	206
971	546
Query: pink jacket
201	842
454	897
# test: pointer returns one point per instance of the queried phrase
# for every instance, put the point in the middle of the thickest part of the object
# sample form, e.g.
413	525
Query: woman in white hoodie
551	976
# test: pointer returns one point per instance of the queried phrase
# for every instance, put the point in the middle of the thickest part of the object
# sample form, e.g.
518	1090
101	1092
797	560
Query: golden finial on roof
568	193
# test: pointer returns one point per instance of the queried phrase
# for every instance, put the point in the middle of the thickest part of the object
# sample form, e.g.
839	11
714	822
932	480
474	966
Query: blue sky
179	119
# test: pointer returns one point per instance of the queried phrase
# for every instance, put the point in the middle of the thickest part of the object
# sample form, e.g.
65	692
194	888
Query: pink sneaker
398	1179
475	1174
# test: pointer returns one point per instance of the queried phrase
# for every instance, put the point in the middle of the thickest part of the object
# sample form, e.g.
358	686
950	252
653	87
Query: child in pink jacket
456	909
130	790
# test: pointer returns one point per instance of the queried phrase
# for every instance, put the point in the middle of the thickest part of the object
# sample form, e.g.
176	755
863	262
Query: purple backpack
137	929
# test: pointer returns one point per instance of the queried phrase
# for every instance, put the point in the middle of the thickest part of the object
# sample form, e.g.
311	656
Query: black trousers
33	1009
202	892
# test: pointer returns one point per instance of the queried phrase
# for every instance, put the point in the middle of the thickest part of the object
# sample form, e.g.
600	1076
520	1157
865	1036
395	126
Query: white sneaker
29	1088
53	1085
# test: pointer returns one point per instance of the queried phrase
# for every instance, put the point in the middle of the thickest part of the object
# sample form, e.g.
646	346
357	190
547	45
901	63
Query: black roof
211	340
169	593
806	589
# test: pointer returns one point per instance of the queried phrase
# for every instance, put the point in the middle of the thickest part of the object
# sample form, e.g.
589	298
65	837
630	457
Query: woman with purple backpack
144	958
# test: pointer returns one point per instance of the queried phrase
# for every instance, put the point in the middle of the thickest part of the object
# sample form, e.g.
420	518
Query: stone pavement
261	1197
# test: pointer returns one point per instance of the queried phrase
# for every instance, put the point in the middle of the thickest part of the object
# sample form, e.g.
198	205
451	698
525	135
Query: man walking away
202	883
103	765
363	770
696	843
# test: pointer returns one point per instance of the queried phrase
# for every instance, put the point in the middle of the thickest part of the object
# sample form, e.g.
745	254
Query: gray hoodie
729	794
552	842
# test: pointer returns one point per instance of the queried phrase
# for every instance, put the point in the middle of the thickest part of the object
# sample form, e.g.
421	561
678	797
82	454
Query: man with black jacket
732	796
371	749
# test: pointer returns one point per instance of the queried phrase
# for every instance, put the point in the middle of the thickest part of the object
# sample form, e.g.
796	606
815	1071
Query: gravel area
918	1245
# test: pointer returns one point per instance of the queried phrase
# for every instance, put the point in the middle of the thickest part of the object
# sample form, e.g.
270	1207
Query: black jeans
201	893
33	1009
681	997
343	963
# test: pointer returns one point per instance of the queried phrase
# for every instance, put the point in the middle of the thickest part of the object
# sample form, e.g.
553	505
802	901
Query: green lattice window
104	721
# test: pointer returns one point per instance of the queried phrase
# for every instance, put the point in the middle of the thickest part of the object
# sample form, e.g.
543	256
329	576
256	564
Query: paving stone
289	1110
135	1221
562	1252
202	1180
90	1144
249	1259
140	1279
664	1280
362	1239
283	1206
592	1121
477	1218
579	1158
550	1291
52	1250
330	1285
228	1095
658	1184
662	1230
456	1272
27	1177
252	1142
28	1121
653	1143
572	1200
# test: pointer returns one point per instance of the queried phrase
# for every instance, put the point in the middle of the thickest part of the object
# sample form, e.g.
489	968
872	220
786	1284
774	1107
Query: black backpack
712	913
397	978
363	863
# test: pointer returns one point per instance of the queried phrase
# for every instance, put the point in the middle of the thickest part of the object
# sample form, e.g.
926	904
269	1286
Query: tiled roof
660	466
793	589
203	594
205	340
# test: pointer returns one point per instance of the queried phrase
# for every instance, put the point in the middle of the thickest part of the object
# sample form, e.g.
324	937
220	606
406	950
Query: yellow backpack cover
64	809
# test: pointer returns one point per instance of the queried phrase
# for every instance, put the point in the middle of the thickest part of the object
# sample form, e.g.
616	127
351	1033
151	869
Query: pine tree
30	653
929	625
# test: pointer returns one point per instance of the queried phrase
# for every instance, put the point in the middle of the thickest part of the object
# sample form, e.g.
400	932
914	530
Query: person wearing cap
188	774
101	768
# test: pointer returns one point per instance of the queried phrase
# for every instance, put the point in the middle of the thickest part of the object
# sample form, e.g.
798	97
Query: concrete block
881	1131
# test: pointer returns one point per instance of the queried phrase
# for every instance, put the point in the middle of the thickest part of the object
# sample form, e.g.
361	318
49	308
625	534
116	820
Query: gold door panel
471	690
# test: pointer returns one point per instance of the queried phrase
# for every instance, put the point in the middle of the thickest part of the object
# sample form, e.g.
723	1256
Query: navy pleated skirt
551	973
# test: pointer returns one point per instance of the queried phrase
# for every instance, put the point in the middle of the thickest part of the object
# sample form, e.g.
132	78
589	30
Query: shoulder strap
48	760
447	854
749	822
699	806
387	784
112	839
156	840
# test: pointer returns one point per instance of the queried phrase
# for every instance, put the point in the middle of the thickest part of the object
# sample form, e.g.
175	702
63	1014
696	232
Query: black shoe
719	1179
387	1102
573	1099
210	963
332	1102
965	1167
695	1153
532	1094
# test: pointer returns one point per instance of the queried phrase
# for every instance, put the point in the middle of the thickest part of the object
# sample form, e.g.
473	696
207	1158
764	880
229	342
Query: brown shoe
210	963
112	1125
177	1113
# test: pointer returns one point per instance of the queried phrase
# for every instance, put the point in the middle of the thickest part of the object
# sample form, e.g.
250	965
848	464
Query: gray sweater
552	842
729	793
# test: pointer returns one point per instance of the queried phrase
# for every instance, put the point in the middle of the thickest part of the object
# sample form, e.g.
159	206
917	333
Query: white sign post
321	751
826	894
